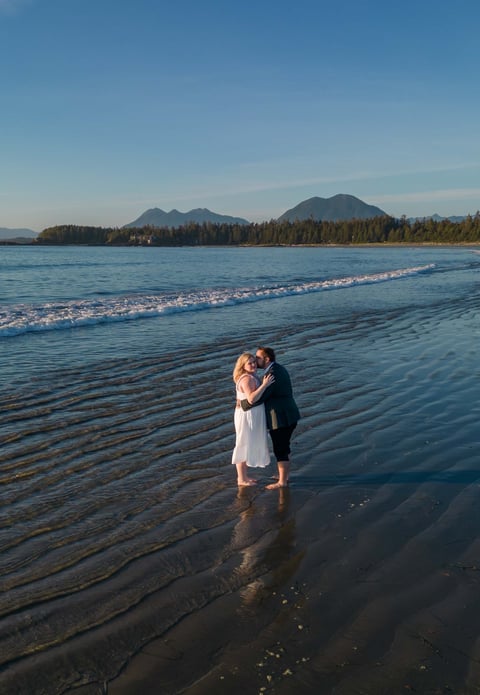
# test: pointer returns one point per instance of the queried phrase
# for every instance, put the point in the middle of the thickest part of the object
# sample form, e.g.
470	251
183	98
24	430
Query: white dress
251	429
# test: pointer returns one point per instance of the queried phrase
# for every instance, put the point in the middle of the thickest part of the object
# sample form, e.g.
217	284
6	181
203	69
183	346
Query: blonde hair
239	369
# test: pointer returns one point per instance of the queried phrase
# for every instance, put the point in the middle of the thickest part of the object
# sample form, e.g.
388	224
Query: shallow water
121	530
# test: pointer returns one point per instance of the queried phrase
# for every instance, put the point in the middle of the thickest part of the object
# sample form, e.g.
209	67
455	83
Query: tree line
378	230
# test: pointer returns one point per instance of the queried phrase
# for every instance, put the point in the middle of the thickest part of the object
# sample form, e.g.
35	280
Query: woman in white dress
251	446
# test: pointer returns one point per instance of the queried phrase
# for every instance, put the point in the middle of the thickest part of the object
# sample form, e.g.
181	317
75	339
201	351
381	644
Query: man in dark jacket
281	412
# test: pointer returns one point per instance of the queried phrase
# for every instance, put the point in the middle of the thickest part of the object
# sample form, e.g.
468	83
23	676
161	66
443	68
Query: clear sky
111	107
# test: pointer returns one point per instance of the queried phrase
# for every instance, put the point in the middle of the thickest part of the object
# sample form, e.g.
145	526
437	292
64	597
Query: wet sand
365	588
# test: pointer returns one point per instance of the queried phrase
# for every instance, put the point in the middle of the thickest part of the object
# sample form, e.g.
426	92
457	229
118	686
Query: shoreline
372	244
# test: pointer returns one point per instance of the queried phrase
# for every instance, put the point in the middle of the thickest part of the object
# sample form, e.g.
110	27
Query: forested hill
383	229
338	207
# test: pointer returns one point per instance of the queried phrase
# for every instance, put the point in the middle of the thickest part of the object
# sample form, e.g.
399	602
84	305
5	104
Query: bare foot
275	477
245	483
275	486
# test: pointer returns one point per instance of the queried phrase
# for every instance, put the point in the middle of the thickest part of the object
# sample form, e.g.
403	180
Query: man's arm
245	405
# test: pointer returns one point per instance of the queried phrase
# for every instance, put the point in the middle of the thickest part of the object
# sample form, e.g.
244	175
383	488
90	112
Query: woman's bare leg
242	477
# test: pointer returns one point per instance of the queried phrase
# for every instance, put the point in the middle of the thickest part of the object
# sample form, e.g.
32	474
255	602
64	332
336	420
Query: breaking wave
24	318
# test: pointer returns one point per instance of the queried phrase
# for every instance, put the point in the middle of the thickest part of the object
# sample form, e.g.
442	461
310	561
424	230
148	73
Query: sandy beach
364	588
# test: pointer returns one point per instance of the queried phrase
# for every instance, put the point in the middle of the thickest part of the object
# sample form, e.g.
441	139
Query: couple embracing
263	405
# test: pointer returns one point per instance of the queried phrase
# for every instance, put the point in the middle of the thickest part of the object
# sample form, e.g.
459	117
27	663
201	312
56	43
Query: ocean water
119	517
75	306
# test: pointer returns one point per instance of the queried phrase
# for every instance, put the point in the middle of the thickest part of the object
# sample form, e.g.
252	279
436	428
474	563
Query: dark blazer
280	407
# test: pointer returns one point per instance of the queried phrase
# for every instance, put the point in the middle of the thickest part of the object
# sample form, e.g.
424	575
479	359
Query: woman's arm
254	392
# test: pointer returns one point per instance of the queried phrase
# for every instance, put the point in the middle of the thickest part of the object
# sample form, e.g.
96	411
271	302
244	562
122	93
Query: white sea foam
24	318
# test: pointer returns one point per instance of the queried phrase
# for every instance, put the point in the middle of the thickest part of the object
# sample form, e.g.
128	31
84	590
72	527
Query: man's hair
268	352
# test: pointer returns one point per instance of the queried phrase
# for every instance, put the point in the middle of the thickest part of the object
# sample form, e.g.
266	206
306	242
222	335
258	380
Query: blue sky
111	107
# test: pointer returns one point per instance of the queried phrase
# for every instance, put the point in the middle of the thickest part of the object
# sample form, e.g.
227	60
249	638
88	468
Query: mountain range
339	207
16	234
159	218
438	218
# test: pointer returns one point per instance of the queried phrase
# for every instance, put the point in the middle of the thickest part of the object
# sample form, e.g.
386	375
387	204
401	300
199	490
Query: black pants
281	442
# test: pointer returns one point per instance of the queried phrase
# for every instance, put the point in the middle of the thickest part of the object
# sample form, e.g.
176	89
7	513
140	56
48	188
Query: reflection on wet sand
274	557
